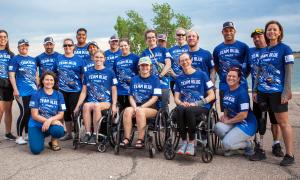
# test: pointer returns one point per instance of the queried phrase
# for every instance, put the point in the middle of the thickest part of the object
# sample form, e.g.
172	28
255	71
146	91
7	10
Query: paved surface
86	163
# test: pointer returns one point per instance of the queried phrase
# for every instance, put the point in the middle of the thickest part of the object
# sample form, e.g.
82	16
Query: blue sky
35	19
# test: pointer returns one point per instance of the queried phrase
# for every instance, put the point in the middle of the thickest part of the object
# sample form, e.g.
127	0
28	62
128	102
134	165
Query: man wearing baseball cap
46	61
252	66
92	48
162	40
230	53
114	52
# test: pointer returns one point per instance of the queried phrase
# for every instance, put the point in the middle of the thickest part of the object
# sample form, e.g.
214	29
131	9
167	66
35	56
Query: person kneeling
47	110
238	122
190	89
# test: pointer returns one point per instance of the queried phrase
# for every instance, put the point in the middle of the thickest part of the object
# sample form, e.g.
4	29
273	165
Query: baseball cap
49	40
93	43
145	60
228	24
257	31
114	38
162	37
23	41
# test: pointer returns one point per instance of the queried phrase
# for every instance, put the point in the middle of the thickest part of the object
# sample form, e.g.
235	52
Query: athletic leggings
187	120
22	122
37	137
71	99
233	138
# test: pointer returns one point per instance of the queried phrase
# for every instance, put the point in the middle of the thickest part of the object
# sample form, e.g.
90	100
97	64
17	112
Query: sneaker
66	137
92	139
249	151
86	138
26	137
10	136
258	155
190	150
276	150
287	160
228	153
21	141
182	149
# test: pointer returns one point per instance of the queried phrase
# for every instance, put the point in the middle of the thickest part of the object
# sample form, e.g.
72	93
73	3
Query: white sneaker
26	137
21	141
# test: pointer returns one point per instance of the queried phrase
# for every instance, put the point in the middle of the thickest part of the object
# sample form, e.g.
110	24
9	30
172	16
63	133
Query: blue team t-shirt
142	89
253	62
99	84
158	55
88	64
5	59
47	62
25	68
202	59
272	63
69	72
237	101
228	55
110	58
125	68
193	87
82	52
47	105
175	52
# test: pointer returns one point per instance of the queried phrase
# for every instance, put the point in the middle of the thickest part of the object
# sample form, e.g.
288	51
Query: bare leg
87	118
287	131
127	121
141	117
8	116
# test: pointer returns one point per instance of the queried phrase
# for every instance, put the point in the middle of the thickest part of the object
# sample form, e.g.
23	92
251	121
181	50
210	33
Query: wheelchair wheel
212	138
112	128
119	134
77	124
169	152
151	150
101	148
161	129
207	156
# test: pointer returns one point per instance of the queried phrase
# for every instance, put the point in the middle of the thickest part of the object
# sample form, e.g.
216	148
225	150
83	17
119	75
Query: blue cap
23	41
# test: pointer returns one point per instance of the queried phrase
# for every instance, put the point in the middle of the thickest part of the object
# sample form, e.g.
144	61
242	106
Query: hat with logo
93	43
23	41
114	38
145	60
162	37
228	24
257	31
49	40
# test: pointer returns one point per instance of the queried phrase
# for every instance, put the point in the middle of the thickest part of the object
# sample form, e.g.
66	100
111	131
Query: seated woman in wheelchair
144	92
238	122
193	93
99	92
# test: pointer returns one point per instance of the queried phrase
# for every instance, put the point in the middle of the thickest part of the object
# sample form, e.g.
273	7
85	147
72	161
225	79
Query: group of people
53	86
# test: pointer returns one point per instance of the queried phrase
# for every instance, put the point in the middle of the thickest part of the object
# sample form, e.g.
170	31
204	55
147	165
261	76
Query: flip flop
54	147
123	144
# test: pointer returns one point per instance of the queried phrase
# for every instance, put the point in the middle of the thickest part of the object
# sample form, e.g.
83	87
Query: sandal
139	144
54	147
124	144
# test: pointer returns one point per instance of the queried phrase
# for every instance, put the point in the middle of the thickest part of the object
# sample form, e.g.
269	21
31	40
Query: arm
213	75
255	85
114	99
166	67
287	92
132	102
238	118
177	99
12	78
81	98
35	115
150	102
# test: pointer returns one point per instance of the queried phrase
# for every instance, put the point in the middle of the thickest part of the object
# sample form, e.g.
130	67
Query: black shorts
123	100
273	101
221	96
6	94
258	114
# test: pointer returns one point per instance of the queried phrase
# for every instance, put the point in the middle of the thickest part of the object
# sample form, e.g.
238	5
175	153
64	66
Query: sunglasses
68	45
180	34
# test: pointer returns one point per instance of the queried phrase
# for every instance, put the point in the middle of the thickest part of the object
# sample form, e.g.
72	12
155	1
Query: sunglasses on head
67	45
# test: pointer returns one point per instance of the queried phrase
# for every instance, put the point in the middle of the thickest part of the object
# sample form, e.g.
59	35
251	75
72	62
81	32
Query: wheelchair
106	130
205	136
155	125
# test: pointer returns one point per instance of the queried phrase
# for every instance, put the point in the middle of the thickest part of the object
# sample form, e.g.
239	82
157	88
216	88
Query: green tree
132	28
165	21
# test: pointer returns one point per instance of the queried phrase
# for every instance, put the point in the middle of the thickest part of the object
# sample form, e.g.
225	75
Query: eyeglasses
180	34
67	45
151	37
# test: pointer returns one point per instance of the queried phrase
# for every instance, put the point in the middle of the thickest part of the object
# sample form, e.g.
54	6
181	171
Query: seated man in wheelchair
144	92
238	122
193	93
99	92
